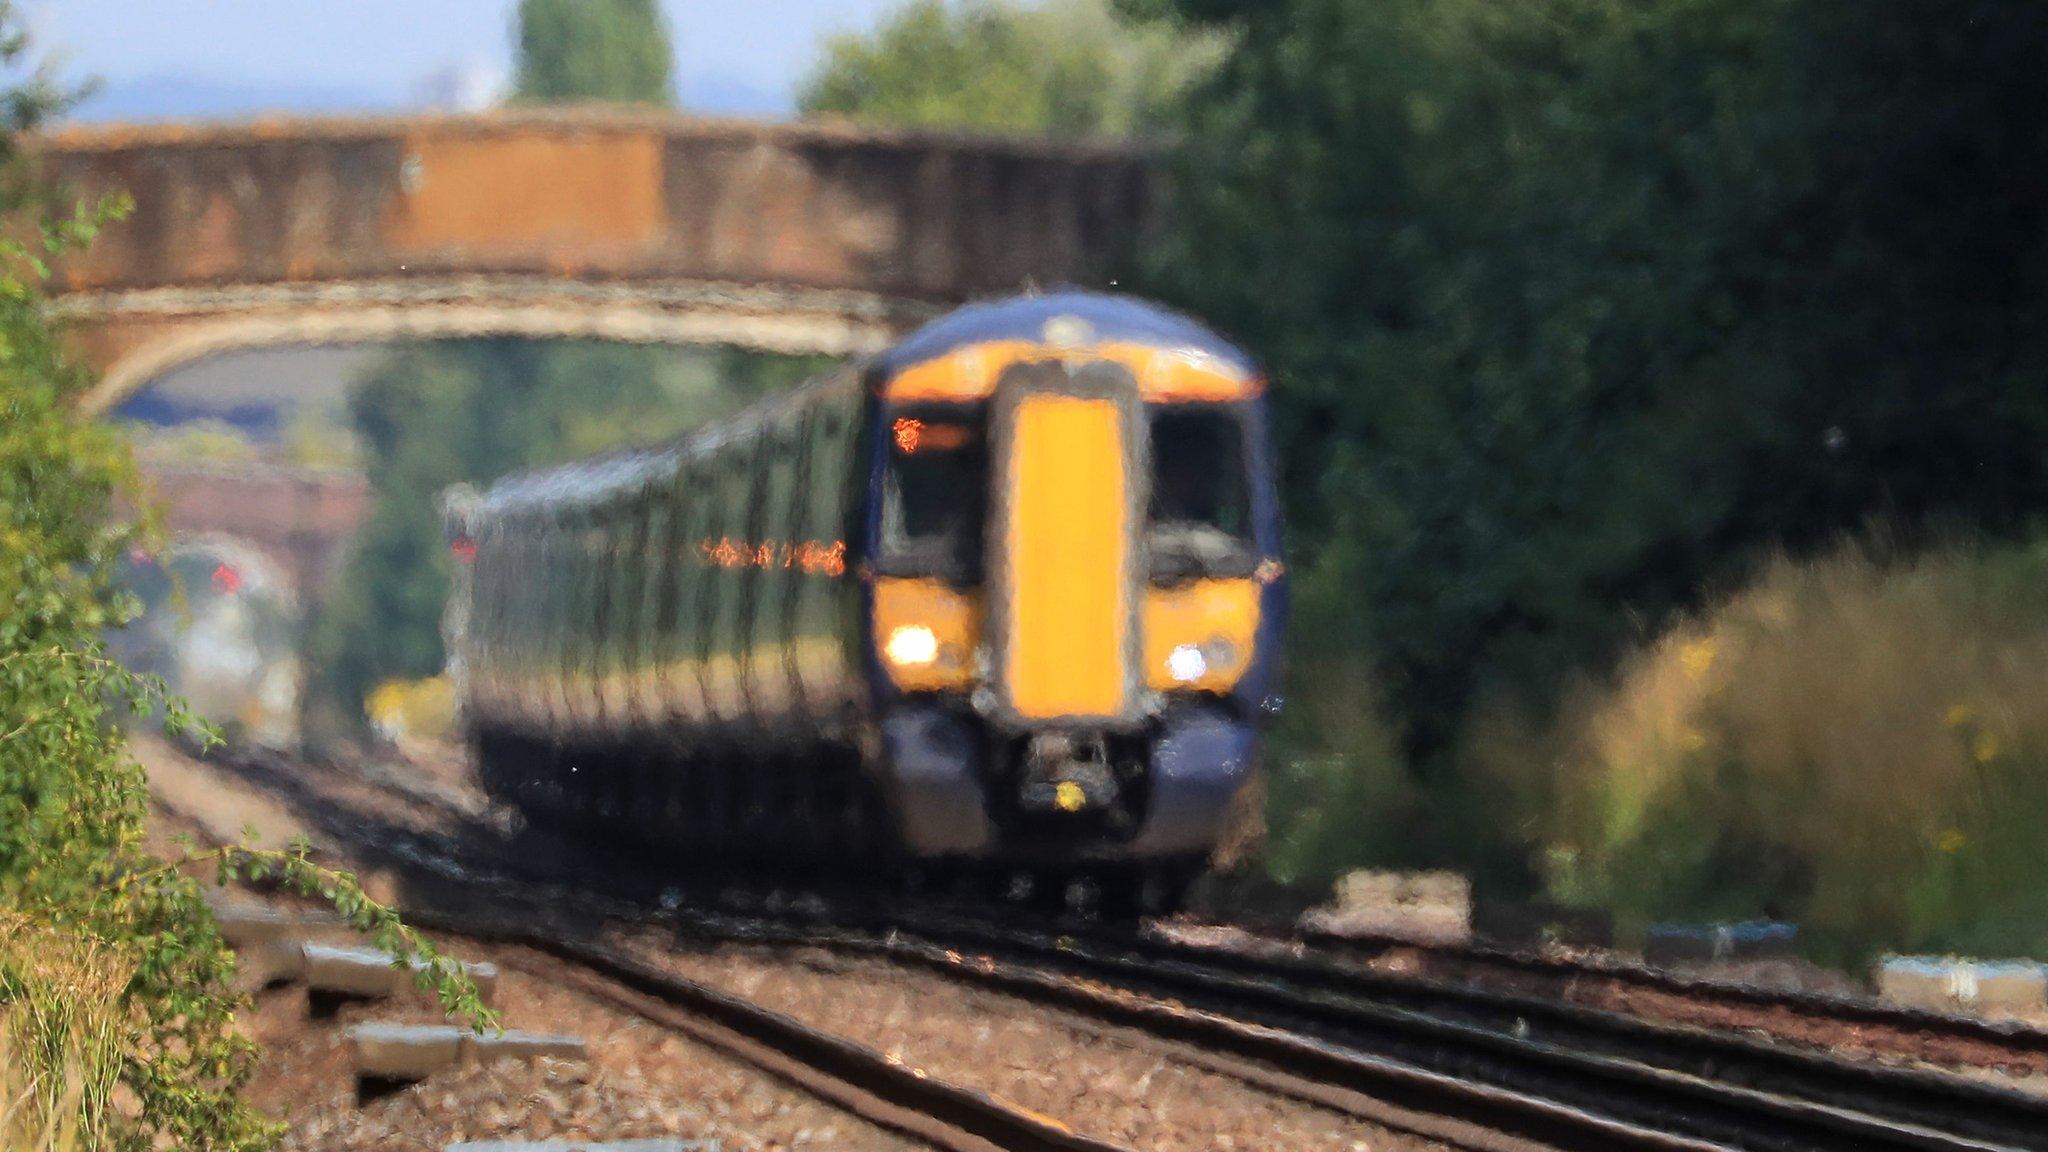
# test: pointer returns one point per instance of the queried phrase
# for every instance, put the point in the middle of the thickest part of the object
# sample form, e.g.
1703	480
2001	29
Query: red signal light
463	548
226	580
908	432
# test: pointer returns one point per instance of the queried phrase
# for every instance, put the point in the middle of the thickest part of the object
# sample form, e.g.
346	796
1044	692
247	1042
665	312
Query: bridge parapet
632	224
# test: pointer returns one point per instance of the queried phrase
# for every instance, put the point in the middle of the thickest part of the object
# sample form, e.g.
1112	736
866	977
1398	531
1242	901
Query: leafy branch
292	869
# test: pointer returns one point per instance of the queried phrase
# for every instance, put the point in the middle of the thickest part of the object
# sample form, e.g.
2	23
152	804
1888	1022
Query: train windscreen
1200	517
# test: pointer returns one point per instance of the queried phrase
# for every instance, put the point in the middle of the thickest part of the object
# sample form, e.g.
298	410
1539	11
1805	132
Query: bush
1855	742
1338	795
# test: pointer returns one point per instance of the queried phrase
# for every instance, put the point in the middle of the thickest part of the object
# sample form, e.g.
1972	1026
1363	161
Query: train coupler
1069	774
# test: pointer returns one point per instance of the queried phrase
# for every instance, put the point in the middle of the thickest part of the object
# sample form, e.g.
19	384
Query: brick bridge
625	225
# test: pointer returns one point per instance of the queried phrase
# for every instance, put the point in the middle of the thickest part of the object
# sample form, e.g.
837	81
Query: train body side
678	618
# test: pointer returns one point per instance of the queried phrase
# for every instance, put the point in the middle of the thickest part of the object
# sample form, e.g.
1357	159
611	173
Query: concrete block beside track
660	1144
514	1045
370	974
2010	988
1947	984
1429	907
252	926
406	1052
1666	944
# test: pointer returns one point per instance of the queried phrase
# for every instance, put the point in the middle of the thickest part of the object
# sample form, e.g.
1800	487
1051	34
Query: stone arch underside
135	338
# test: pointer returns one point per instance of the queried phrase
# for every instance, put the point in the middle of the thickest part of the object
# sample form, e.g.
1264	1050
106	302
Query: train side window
659	569
629	564
935	492
591	555
1199	522
770	630
676	623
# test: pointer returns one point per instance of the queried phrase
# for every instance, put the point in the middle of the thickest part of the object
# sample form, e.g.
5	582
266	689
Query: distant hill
193	98
713	96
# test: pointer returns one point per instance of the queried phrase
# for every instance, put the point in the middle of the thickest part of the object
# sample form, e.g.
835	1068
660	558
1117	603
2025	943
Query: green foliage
1855	742
1338	796
433	415
73	872
71	801
1572	307
612	50
207	440
1063	68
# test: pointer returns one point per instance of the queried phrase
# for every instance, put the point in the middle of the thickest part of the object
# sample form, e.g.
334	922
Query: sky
160	59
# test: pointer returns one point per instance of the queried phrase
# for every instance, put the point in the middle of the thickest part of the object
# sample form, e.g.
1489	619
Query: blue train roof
1114	318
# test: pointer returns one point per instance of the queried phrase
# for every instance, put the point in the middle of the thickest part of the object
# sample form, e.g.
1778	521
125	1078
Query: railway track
1617	984
868	1083
1559	1071
1636	987
1477	1067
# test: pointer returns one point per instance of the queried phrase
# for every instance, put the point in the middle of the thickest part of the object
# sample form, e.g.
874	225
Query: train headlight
912	645
1186	664
1189	663
1200	636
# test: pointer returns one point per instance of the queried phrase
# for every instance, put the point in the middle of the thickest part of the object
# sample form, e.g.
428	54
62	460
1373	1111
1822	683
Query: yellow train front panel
1068	547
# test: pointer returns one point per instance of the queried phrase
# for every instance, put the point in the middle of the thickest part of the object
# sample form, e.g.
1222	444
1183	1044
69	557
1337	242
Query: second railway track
1479	1068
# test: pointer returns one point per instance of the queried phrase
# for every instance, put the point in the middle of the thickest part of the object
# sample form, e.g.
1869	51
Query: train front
1076	587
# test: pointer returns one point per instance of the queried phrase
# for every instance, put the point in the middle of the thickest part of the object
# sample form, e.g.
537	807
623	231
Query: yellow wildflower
1984	747
1952	840
1958	715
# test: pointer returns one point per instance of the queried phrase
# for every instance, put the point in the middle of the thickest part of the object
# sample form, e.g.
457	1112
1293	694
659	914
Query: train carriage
1010	592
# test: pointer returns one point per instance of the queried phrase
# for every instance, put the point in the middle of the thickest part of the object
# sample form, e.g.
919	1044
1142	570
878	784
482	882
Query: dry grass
63	1031
1855	743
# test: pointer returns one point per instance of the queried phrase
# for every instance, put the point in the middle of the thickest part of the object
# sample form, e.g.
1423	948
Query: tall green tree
1063	68
1572	306
611	50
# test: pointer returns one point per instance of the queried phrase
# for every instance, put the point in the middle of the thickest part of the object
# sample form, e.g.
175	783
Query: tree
1574	308
1064	68
612	50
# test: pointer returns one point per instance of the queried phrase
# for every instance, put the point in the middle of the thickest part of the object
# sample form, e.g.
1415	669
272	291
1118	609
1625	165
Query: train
1005	597
220	624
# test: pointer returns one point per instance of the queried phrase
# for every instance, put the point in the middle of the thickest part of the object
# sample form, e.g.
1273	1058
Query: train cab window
1199	523
935	492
